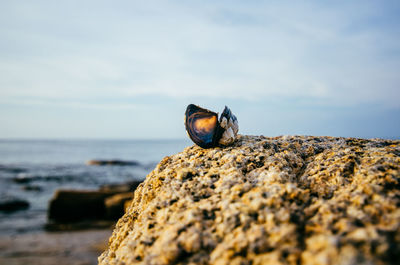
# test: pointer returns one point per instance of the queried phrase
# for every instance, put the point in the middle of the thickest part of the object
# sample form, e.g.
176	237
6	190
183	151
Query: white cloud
245	51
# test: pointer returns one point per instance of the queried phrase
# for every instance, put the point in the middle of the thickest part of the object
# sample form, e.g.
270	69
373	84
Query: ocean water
33	169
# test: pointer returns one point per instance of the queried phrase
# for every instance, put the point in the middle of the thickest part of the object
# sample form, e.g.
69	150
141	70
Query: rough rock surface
281	200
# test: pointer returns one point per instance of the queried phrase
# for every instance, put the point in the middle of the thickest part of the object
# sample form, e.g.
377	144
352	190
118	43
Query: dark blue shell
204	136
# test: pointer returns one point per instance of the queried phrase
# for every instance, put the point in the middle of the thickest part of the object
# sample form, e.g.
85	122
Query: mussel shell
202	126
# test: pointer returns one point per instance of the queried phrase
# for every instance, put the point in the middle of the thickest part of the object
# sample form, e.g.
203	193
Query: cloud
325	53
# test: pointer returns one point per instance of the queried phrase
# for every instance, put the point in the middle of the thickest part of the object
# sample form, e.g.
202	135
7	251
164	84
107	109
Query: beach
33	172
61	248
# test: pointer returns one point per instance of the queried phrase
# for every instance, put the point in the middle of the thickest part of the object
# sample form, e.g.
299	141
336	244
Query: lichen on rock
267	200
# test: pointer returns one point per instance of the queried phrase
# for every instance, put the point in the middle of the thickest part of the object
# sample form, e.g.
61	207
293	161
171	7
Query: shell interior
202	126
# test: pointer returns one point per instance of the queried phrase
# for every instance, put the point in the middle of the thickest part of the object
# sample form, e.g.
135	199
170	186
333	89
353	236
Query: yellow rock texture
267	200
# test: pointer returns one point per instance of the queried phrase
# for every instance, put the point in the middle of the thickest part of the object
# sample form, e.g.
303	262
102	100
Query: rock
22	179
79	225
81	205
112	163
25	178
281	200
11	169
32	188
115	205
9	205
120	187
77	205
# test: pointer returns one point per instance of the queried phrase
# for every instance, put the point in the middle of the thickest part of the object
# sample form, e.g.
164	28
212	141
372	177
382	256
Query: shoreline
48	248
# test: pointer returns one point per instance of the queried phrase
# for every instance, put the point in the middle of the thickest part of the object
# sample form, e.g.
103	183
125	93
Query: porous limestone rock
267	200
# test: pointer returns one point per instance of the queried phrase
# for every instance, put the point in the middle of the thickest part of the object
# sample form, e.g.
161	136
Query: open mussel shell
205	130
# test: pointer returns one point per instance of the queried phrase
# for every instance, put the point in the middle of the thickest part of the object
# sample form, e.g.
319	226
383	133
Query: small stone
9	205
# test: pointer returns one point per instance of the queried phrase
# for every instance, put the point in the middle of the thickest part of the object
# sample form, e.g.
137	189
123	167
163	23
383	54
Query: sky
128	69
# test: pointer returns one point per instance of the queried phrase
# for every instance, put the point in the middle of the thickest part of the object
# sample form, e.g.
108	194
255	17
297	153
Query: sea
32	170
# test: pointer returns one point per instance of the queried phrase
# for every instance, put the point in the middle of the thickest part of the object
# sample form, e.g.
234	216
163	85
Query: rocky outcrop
120	187
77	205
107	203
11	204
281	200
115	205
112	163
